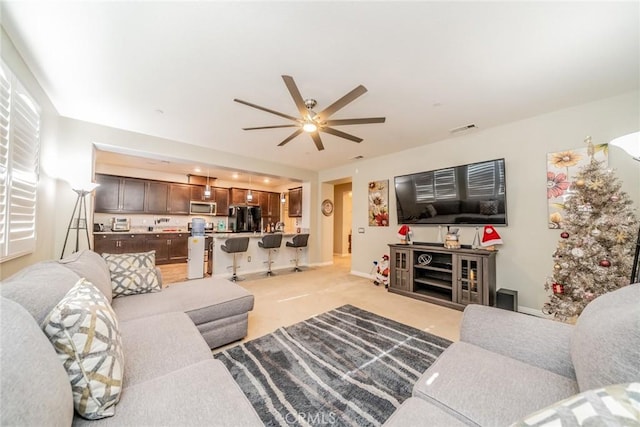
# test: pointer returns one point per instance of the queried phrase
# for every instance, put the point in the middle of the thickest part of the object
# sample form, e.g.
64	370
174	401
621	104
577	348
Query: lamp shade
629	143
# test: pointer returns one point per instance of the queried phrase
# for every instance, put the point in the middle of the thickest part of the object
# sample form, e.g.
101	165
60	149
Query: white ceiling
429	67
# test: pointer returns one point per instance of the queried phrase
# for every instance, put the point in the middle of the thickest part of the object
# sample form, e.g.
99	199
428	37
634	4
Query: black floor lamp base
81	221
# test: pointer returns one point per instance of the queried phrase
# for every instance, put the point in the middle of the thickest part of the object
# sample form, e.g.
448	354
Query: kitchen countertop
216	234
172	231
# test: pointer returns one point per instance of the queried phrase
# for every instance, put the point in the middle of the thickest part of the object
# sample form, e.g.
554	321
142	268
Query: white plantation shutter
19	159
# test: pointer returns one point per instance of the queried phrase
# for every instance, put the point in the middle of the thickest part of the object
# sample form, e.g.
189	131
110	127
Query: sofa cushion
91	266
417	412
35	389
203	394
132	273
84	331
488	388
615	405
605	346
157	345
203	300
39	287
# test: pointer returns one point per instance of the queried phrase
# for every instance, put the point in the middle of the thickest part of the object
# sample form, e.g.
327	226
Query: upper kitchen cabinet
295	202
238	197
119	195
221	197
167	198
179	198
157	197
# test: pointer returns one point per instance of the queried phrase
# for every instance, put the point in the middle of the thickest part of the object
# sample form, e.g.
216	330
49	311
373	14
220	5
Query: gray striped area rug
346	367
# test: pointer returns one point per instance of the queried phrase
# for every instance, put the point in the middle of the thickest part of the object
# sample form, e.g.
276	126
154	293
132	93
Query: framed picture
561	168
379	203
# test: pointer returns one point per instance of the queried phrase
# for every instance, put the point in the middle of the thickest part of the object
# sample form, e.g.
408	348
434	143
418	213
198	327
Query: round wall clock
327	207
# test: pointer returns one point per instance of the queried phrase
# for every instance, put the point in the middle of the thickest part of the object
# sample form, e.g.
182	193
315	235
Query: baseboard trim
532	311
361	274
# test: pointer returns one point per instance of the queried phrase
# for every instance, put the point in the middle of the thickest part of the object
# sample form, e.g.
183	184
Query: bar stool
270	242
298	242
235	245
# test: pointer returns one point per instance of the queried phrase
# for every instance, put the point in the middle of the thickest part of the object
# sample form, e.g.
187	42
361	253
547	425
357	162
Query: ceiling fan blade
290	137
341	134
271	127
286	116
340	103
317	140
341	122
295	94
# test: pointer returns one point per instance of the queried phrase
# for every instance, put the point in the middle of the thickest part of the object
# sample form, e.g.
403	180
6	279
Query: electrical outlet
249	258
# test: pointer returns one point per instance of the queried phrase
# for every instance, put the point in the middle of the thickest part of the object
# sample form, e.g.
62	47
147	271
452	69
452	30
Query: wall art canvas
561	168
379	203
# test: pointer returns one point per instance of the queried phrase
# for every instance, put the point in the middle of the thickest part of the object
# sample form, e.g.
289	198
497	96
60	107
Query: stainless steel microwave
202	208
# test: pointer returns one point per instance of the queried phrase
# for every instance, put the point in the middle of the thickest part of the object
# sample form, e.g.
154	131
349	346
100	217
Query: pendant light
249	195
207	188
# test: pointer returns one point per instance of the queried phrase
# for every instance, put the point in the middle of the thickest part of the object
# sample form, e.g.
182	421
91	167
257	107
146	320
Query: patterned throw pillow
489	207
133	273
614	405
84	332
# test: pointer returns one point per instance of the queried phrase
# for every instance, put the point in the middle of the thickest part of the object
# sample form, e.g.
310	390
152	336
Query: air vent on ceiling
463	128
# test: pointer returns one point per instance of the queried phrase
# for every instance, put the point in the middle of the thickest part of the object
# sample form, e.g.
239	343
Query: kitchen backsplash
143	222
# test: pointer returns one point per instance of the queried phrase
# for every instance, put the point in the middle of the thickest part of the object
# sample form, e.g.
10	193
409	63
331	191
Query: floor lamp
80	209
631	144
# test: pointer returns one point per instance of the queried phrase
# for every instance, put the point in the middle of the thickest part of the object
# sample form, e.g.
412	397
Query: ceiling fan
312	122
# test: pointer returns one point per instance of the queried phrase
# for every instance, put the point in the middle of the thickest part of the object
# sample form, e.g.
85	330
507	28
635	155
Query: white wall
524	261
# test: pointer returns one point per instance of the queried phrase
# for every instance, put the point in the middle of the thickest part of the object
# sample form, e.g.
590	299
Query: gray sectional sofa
170	376
511	368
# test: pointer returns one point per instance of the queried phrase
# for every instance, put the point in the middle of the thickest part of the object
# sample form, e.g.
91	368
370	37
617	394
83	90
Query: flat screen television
473	194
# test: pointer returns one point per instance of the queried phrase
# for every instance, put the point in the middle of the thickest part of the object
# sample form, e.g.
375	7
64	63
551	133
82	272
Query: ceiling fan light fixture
309	127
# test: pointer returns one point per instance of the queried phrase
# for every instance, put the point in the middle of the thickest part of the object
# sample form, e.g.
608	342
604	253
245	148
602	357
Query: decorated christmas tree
595	251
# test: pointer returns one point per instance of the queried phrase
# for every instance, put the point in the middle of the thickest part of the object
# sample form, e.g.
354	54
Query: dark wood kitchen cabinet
179	198
166	198
157	197
119	195
118	243
239	197
169	247
295	202
270	207
221	196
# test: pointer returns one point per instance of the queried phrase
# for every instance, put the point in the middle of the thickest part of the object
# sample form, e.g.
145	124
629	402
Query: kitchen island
254	260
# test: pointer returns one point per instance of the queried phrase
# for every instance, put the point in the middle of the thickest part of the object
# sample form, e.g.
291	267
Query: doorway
342	223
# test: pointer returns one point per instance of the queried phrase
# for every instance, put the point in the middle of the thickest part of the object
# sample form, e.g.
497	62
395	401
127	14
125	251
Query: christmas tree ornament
580	183
605	263
621	237
564	235
557	266
595	232
558	289
614	198
577	252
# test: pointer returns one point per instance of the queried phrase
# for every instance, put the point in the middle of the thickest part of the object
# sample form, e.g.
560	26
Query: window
436	185
19	160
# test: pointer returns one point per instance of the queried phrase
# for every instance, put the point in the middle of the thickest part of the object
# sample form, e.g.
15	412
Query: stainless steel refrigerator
244	218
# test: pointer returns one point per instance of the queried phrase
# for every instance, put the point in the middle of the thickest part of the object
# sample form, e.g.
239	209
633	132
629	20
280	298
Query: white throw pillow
83	329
